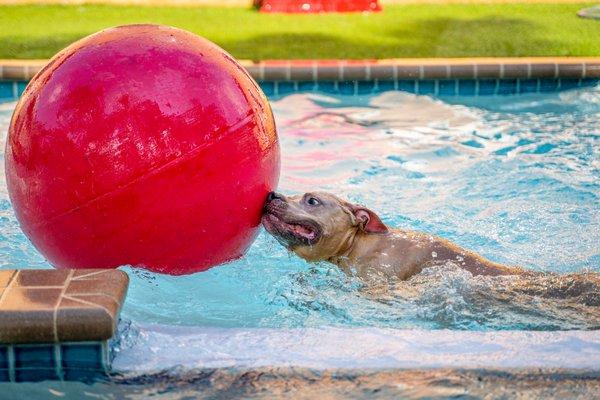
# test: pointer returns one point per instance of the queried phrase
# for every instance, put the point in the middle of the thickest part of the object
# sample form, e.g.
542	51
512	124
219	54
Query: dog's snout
274	196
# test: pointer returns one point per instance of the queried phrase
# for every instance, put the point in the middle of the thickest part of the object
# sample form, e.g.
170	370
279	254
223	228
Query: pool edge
384	69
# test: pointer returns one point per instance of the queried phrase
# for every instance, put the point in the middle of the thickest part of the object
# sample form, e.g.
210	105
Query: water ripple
515	178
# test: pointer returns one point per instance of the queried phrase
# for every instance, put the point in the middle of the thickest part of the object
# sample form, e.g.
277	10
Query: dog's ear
367	220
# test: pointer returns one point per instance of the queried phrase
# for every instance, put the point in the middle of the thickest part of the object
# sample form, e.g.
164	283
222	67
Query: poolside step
55	324
42	306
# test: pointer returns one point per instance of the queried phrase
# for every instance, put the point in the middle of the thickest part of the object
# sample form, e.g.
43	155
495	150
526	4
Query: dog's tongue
303	231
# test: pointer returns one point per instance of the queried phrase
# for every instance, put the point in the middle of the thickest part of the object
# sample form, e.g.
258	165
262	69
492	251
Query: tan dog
321	227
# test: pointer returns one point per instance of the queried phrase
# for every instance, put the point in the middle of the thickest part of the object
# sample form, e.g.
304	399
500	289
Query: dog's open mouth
297	232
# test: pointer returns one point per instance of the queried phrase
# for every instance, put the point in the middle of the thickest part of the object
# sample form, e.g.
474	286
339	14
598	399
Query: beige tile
328	72
302	73
97	301
5	277
46	277
113	275
354	72
31	326
97	286
382	72
88	309
14	72
543	70
436	71
592	70
111	282
487	70
516	71
76	321
86	273
408	71
26	315
254	71
570	70
276	73
462	71
28	300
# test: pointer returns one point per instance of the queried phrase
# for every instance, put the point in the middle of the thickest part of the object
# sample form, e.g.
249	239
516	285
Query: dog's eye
313	201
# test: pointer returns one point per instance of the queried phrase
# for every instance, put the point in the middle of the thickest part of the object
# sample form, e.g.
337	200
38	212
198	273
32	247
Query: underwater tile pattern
434	87
52	306
78	361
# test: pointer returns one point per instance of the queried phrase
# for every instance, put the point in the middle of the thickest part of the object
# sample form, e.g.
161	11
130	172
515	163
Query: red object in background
143	145
317	6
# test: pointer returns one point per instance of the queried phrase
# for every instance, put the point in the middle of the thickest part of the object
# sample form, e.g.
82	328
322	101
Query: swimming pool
515	178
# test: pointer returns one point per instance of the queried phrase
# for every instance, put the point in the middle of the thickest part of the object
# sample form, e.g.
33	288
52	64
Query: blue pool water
515	178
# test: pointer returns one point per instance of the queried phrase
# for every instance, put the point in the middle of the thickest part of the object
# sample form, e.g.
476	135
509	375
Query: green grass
426	30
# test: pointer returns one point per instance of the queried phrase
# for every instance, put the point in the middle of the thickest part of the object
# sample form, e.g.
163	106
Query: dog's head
317	226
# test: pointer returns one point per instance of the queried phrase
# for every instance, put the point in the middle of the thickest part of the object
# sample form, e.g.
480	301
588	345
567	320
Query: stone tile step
52	306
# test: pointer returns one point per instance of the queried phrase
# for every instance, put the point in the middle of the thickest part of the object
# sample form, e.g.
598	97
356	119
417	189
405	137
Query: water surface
514	178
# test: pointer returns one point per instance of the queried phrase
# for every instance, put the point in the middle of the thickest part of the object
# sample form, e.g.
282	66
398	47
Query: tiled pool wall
71	361
438	77
434	87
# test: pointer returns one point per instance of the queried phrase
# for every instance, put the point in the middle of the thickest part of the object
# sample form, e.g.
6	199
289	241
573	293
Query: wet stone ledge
51	306
55	324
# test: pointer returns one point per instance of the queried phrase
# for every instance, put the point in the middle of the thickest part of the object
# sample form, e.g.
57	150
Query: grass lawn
425	30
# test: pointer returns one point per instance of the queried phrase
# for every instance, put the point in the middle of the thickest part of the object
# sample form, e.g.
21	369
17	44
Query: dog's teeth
303	231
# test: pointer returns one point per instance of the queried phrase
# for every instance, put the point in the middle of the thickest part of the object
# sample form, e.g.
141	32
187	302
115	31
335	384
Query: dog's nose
274	196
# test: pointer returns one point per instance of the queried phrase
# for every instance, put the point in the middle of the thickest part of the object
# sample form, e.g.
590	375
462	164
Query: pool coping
384	69
55	306
57	323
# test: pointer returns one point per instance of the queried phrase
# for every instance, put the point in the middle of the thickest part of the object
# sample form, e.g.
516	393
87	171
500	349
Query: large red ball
143	145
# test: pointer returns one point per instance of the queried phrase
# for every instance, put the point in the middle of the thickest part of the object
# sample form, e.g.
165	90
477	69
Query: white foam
162	347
